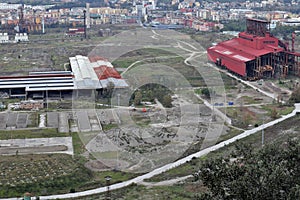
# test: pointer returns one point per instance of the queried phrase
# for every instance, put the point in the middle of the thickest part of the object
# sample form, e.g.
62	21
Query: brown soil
96	165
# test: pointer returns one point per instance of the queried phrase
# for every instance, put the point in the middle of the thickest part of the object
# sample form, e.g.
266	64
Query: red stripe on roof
105	72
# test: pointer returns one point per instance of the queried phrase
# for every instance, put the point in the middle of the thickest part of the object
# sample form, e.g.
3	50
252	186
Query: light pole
117	165
263	133
47	96
107	178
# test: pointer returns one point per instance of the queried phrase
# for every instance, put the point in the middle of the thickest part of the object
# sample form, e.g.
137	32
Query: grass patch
280	109
78	146
141	120
31	133
106	127
116	176
231	133
248	100
286	110
133	191
41	174
123	62
33	120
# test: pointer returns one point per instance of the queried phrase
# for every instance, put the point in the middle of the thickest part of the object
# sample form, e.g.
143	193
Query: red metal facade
232	61
250	46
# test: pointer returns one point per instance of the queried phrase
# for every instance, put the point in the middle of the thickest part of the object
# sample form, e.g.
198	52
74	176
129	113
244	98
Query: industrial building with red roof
86	73
255	54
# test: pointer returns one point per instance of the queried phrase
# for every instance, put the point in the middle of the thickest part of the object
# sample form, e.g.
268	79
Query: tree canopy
271	173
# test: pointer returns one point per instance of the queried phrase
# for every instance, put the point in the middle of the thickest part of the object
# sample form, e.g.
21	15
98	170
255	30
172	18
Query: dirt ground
142	141
96	165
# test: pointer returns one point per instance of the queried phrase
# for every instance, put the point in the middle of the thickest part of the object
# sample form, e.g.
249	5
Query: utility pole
84	23
47	96
107	178
263	133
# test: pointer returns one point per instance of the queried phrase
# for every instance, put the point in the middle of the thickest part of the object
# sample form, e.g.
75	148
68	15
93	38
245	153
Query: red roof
104	72
236	46
233	54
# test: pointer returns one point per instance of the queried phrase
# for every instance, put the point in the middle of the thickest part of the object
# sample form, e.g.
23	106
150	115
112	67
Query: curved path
169	166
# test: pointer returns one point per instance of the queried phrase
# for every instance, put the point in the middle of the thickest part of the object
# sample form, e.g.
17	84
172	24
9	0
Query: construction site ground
122	138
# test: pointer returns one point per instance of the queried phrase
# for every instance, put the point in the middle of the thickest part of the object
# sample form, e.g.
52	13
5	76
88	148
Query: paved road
216	111
174	164
167	182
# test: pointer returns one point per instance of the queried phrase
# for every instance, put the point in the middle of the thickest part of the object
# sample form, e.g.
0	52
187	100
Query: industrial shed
85	74
256	54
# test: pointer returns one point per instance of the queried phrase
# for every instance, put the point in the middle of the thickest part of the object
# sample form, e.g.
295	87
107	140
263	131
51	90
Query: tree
295	97
109	89
150	95
138	98
167	101
205	92
274	113
271	173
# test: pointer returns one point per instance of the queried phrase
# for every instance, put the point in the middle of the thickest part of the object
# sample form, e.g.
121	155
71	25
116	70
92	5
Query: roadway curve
177	163
169	166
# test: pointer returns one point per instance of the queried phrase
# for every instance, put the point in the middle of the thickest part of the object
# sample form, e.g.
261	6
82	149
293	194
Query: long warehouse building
86	73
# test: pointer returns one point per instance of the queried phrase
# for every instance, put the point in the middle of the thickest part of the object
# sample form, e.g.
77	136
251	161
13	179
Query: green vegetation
238	25
150	92
31	133
207	92
270	173
123	62
53	173
248	100
278	108
44	52
295	97
230	134
116	176
78	146
141	56
285	31
141	120
41	174
243	116
276	134
138	192
107	127
162	57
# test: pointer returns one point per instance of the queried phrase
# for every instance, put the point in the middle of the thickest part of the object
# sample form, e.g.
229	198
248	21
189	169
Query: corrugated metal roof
28	89
234	46
239	56
118	83
43	81
94	75
104	72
